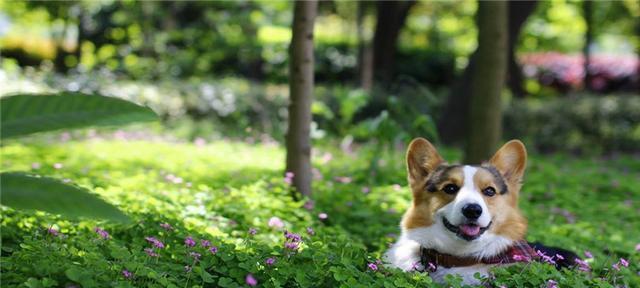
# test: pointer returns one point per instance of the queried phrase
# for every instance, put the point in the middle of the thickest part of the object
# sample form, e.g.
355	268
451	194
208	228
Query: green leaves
30	113
24	191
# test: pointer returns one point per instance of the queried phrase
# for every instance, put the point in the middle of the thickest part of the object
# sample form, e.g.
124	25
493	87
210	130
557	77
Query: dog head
462	209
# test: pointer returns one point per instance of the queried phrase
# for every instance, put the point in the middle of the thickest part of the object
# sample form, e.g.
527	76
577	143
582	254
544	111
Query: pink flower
199	142
343	179
397	187
309	206
35	165
250	280
624	262
288	178
323	216
166	226
102	233
126	274
432	267
518	257
310	231
583	265
213	249
559	257
270	261
638	247
150	252
155	242
275	222
616	266
53	231
57	166
372	266
205	243
588	254
189	241
196	256
366	190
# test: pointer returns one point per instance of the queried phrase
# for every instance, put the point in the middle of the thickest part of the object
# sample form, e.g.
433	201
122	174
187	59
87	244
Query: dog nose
472	211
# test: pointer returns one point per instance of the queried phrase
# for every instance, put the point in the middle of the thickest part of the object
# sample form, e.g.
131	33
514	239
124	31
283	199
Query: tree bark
365	53
301	83
485	111
452	123
587	7
519	11
391	16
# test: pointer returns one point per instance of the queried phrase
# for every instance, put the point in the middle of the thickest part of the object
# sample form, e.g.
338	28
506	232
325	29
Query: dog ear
422	159
511	160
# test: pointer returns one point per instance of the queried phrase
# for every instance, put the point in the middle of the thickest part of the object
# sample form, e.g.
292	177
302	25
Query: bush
582	123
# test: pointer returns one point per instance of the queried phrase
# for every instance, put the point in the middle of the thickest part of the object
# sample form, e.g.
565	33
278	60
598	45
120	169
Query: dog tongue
471	230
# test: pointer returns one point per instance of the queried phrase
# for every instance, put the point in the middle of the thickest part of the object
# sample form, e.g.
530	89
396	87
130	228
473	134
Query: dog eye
451	188
489	191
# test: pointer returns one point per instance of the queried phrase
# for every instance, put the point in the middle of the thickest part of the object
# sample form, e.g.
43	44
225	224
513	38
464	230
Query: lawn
215	214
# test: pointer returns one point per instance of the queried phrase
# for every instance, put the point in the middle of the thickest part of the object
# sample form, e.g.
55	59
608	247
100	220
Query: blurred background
386	71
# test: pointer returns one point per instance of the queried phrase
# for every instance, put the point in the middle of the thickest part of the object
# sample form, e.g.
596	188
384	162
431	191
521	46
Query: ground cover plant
220	213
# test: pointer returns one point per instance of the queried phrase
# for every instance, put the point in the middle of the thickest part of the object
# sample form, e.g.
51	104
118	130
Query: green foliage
582	123
220	190
23	191
30	113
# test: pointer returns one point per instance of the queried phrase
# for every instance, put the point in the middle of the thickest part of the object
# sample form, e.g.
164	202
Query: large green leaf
30	113
24	191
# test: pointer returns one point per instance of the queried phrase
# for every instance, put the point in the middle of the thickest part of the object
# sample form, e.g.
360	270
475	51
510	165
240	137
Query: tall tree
301	80
485	109
452	124
391	16
587	9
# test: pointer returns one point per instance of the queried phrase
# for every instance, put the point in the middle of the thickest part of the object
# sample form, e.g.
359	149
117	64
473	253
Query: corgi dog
464	219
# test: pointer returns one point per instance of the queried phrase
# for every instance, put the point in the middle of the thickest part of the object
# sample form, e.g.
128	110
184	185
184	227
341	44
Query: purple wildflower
288	178
310	231
291	245
588	254
616	266
292	236
310	204
126	274
253	231
53	231
250	280
323	216
189	241
638	247
559	257
213	249
583	265
166	226
196	256
552	284
624	262
372	266
205	243
155	242
102	233
432	267
270	261
366	190
520	258
275	222
150	252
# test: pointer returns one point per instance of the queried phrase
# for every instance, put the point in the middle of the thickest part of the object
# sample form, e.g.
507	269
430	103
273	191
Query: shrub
582	123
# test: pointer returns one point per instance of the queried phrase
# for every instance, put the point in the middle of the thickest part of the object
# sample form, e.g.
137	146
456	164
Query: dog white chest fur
465	211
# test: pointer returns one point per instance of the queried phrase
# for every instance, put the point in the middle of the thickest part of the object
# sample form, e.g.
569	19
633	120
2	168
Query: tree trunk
485	111
391	16
519	11
587	7
452	124
365	53
301	92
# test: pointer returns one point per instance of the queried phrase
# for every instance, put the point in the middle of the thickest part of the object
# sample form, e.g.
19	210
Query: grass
219	191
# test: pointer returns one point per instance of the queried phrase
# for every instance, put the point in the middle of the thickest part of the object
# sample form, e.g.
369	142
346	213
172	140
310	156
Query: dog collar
520	251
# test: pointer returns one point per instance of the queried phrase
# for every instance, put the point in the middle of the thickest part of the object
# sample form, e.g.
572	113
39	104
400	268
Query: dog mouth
467	231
